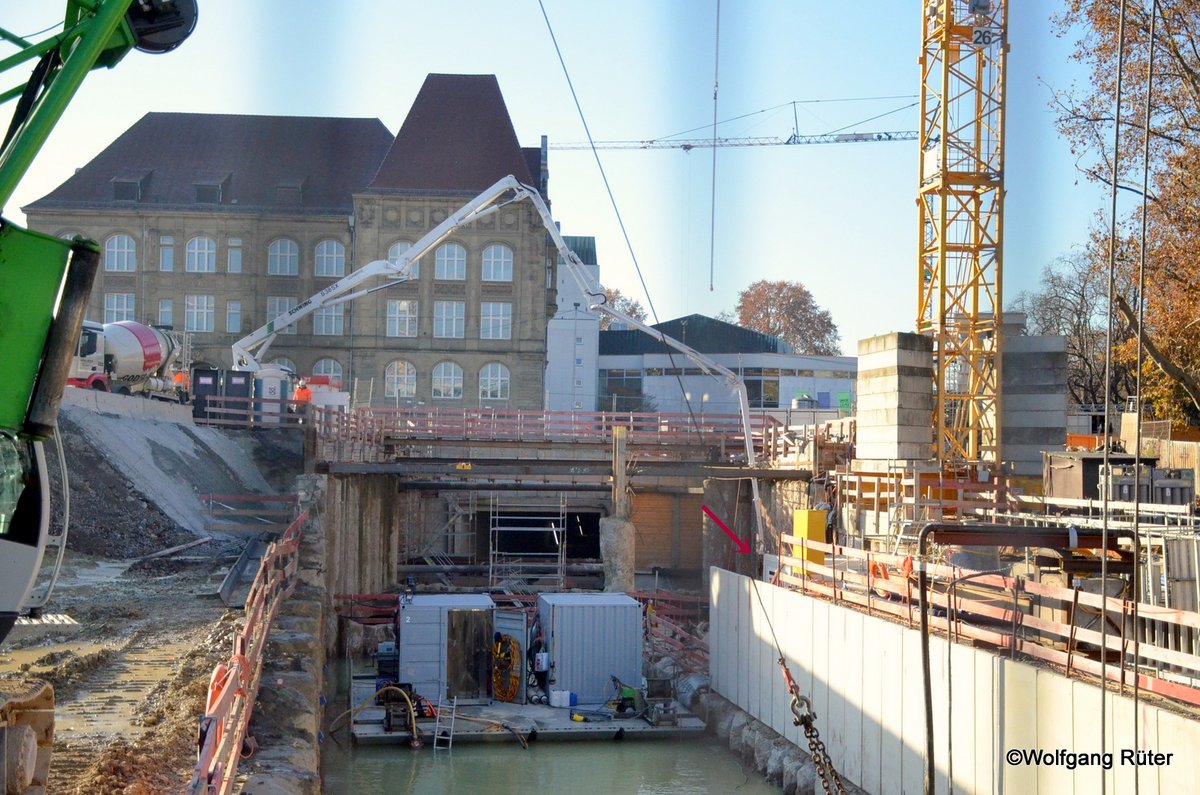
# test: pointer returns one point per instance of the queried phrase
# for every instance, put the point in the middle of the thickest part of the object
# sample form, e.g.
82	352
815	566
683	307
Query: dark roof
457	138
584	248
704	334
249	157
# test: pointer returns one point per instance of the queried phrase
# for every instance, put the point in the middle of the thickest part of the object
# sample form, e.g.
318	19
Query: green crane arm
95	33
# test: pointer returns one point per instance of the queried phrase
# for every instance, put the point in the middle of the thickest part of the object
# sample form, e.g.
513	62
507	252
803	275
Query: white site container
591	637
445	645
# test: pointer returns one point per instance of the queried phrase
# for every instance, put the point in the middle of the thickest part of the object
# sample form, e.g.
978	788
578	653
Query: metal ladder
446	742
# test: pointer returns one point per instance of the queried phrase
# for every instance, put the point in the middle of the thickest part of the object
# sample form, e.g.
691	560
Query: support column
616	531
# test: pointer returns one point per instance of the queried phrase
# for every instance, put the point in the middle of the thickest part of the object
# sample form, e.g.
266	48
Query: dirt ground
131	680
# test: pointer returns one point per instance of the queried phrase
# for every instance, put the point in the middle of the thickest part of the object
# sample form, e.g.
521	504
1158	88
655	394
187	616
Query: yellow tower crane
961	201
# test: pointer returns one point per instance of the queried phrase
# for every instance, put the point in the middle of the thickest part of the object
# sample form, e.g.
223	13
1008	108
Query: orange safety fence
233	686
1009	614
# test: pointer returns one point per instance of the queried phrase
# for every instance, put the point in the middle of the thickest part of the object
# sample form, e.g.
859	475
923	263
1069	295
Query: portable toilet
446	646
591	637
270	384
206	383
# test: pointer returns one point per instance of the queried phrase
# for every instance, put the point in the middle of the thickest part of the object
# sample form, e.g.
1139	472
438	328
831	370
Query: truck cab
87	369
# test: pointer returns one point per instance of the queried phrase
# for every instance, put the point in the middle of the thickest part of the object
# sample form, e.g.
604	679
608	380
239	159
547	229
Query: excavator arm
45	282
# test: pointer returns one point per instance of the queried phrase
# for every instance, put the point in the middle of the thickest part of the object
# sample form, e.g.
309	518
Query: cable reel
506	668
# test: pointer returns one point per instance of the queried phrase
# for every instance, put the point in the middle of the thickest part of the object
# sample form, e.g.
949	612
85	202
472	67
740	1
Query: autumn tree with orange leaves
788	310
622	303
1171	324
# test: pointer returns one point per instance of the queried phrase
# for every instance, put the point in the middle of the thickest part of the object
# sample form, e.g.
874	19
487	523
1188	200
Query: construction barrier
233	686
374	434
1014	615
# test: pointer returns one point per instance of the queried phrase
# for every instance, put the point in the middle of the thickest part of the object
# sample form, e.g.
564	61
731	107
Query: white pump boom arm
598	301
248	350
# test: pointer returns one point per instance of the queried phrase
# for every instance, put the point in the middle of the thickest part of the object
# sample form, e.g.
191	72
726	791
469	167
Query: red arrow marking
742	546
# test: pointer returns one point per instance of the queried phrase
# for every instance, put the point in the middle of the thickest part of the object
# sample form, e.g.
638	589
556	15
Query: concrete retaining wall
1034	410
863	675
762	748
127	405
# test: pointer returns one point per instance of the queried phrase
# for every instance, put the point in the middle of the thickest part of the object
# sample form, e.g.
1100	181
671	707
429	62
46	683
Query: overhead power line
688	144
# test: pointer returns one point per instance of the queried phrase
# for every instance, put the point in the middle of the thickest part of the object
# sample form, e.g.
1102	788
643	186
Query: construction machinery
129	358
961	199
44	287
248	351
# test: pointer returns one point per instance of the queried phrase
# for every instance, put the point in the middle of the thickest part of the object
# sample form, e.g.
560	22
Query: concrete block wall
128	405
863	674
895	397
1034	400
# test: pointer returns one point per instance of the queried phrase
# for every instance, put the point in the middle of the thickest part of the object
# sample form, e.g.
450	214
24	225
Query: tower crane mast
961	201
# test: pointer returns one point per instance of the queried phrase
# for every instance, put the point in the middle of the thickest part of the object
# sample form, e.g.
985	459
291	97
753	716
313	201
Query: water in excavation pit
693	765
648	767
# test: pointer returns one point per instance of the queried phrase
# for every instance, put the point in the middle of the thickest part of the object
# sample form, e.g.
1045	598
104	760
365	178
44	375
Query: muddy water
689	766
650	767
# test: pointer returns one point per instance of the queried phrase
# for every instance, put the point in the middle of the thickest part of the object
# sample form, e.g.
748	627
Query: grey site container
591	638
445	645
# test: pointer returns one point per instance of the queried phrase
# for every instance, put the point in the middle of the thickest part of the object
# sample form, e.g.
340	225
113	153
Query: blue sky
842	219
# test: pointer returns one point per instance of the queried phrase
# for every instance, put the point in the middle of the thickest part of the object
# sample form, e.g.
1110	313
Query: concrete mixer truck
132	359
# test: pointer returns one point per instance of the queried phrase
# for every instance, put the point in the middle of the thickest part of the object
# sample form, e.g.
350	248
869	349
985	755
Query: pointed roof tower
457	138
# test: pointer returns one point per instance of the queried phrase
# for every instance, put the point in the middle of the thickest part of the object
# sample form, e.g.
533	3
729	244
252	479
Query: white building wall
863	674
572	348
833	376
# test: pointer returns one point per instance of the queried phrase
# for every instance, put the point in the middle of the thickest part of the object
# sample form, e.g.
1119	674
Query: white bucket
560	698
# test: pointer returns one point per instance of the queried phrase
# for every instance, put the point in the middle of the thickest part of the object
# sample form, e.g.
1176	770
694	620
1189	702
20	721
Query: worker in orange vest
302	394
302	397
181	383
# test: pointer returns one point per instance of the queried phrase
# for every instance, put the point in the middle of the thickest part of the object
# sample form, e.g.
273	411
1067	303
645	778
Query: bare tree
1071	302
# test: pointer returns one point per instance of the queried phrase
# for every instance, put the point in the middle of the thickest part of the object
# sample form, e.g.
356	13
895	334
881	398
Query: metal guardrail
233	686
1003	612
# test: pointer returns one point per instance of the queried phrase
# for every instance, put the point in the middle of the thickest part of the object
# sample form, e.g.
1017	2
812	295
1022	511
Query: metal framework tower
961	197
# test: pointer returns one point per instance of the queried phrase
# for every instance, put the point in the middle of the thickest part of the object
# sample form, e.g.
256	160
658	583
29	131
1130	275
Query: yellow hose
412	713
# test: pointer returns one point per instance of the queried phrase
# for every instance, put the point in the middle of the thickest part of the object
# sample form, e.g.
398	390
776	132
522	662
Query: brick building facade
215	224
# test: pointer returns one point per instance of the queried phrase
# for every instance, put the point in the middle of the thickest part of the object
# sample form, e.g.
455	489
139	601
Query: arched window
201	255
497	263
329	367
393	256
447	381
120	253
330	259
284	362
283	258
400	380
450	262
493	382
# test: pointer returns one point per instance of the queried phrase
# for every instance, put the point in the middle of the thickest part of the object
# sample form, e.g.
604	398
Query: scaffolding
517	524
453	541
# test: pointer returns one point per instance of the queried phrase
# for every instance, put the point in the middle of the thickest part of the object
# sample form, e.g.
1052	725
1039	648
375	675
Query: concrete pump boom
248	351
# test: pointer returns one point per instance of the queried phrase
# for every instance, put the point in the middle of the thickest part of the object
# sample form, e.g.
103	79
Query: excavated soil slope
130	682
